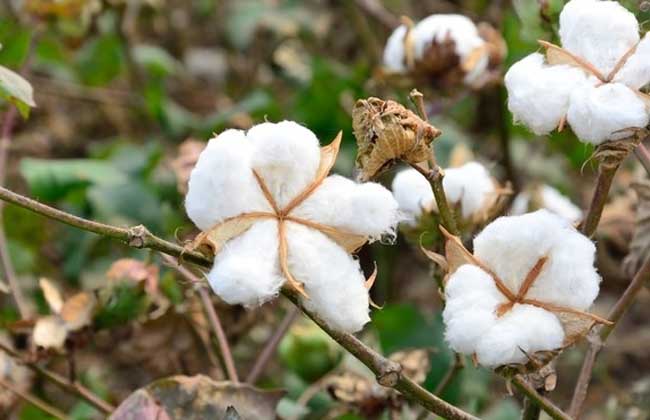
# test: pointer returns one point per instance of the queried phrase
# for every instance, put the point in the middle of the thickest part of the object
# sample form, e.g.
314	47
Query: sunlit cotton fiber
413	193
394	56
470	186
551	199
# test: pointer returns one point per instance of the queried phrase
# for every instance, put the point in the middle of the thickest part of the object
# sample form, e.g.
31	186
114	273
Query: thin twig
643	156
271	346
457	365
73	387
600	335
34	400
544	403
213	319
603	183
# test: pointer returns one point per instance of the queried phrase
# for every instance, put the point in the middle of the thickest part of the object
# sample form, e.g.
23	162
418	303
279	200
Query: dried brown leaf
640	245
184	162
52	295
77	312
135	271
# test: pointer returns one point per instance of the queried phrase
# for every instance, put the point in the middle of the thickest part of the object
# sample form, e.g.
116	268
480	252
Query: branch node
137	236
389	373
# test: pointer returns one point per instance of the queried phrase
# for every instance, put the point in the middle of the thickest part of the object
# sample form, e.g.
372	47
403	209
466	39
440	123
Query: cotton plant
447	48
592	83
546	197
523	292
272	216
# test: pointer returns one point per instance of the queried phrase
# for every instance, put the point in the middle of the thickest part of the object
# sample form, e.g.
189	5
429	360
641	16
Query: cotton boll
436	28
247	270
555	202
470	185
412	192
471	299
221	184
394	57
333	279
286	155
596	113
636	71
538	94
520	204
524	327
600	32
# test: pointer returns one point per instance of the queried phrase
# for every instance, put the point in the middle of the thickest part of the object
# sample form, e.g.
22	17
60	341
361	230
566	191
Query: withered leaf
136	271
182	165
52	295
640	245
77	311
415	363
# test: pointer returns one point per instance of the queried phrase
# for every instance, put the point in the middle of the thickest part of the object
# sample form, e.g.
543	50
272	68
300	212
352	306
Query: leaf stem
536	399
603	184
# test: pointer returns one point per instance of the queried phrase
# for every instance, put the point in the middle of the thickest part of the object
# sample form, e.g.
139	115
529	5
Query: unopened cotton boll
436	28
469	185
246	271
332	278
394	56
597	113
635	73
413	193
600	32
538	94
286	155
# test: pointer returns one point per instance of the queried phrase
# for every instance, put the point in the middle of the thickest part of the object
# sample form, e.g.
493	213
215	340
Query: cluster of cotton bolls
509	248
468	186
547	197
285	157
434	32
593	82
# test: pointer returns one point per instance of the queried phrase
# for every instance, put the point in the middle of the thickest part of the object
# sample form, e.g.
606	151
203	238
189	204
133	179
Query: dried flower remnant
447	49
188	154
544	196
593	83
531	270
386	133
284	220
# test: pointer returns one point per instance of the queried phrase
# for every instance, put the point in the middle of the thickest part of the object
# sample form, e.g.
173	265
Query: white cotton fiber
470	186
471	299
524	327
364	209
332	278
394	57
538	94
601	32
436	28
286	155
551	200
247	270
413	193
636	71
511	246
596	113
221	184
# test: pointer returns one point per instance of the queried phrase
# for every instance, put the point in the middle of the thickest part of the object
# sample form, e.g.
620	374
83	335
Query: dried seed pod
387	132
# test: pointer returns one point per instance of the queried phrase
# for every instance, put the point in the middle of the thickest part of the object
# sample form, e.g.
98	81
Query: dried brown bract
386	133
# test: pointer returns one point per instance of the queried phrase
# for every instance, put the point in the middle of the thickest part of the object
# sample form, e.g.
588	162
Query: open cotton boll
600	32
394	57
412	192
557	203
524	327
221	184
596	113
364	209
471	298
333	279
247	270
436	28
538	94
470	185
635	73
286	155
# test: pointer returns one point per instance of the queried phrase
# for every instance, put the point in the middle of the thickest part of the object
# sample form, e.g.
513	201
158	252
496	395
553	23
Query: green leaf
15	89
121	304
156	60
15	41
100	60
53	179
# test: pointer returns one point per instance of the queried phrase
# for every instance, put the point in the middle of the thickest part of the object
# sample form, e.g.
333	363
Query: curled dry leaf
197	397
386	133
640	245
136	271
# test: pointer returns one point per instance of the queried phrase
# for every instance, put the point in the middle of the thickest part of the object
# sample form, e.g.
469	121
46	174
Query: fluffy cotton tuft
413	194
470	186
510	247
538	94
636	71
394	57
552	200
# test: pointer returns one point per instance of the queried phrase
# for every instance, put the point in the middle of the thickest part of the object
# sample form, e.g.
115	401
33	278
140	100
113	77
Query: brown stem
544	403
603	183
271	346
600	336
531	410
32	399
73	387
643	156
377	10
213	319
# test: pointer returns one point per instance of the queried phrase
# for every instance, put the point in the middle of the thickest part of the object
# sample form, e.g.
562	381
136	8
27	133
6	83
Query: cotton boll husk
636	71
600	32
363	209
557	203
412	192
436	28
246	271
332	278
394	57
538	94
596	113
470	185
524	327
471	298
286	155
511	246
221	184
